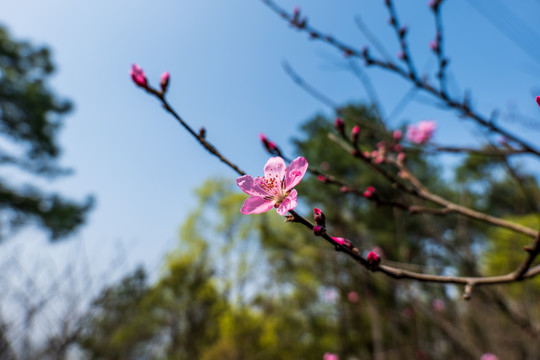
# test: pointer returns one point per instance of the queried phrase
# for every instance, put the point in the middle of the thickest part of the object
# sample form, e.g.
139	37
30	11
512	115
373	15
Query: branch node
468	291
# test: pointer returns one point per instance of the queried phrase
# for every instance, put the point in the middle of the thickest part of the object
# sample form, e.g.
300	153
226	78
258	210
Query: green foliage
30	118
505	251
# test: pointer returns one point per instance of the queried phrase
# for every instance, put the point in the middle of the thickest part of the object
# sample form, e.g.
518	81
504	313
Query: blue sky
225	63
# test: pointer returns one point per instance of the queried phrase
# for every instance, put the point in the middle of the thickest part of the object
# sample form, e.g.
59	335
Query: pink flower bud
330	356
339	124
538	100
398	147
353	297
373	259
366	154
344	189
371	189
270	146
319	217
164	82
354	134
403	31
322	178
138	76
318	230
339	240
489	356
397	134
401	156
434	45
401	55
367	194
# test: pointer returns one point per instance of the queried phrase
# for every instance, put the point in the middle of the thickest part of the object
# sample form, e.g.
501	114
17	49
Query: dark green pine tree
31	115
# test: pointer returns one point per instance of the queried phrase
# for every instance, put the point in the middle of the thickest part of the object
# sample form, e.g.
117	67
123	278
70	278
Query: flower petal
295	172
274	168
249	185
256	205
288	204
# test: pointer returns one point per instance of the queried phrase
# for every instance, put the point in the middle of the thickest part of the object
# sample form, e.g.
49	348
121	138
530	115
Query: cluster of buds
320	220
139	78
370	191
296	21
392	145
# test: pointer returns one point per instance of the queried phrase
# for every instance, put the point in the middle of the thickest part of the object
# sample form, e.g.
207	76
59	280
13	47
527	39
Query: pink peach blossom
138	76
422	132
330	356
275	188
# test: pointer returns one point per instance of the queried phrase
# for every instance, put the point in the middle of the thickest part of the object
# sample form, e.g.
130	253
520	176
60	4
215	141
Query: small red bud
339	240
354	134
318	230
164	82
373	259
270	146
371	189
397	134
538	100
339	124
319	217
402	31
138	76
322	178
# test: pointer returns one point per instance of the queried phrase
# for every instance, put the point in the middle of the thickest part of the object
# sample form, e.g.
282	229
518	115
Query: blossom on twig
330	356
275	188
422	132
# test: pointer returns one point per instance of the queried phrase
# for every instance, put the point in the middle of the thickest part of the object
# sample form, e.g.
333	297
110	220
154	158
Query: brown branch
348	248
462	106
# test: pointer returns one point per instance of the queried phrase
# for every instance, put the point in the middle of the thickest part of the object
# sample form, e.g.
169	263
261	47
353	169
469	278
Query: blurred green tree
30	118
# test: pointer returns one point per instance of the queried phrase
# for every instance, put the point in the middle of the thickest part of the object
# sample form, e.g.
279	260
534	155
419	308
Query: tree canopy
31	115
